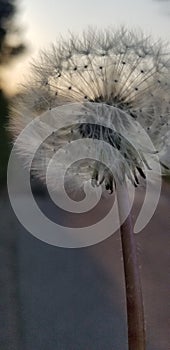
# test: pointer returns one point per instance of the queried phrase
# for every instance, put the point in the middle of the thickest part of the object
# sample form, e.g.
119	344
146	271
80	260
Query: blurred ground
9	302
73	299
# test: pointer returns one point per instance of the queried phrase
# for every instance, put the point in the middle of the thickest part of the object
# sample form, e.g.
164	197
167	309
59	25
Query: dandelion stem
134	301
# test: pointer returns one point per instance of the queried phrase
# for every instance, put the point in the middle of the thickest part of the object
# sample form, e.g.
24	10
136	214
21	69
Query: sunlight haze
44	22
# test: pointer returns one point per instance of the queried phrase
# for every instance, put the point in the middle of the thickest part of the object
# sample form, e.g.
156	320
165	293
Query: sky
44	21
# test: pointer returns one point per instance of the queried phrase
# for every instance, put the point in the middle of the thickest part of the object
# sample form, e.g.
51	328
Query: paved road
10	334
74	299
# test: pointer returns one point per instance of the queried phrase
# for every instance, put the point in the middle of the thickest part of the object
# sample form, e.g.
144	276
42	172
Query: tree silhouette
10	43
11	46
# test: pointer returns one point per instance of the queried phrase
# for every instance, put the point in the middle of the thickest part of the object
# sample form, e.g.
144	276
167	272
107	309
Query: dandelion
109	86
119	69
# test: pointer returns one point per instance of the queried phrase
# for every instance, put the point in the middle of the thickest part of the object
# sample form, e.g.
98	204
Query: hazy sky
44	21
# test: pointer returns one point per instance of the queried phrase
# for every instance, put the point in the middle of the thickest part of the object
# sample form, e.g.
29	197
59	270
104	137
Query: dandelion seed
120	79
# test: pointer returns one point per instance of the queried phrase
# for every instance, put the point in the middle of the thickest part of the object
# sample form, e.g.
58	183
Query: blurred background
54	298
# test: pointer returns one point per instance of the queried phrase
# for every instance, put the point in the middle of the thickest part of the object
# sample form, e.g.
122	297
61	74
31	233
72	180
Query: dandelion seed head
108	83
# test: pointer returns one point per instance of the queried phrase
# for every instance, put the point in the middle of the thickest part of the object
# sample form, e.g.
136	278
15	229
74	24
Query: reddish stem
134	301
